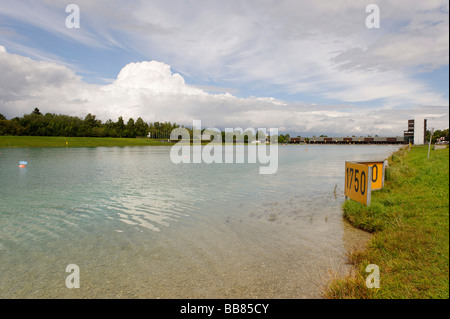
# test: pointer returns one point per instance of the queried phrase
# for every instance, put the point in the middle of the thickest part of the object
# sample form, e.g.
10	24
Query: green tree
91	121
436	135
141	127
120	126
36	111
130	129
110	129
287	137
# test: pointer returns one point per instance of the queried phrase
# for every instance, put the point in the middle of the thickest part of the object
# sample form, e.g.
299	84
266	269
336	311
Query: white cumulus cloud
150	90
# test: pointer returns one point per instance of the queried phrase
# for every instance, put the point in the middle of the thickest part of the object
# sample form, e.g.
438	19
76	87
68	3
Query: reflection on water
139	226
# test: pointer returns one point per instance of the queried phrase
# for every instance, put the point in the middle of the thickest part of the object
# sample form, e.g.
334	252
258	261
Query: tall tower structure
417	130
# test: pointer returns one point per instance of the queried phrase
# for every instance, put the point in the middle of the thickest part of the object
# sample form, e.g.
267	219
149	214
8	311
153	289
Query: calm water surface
139	226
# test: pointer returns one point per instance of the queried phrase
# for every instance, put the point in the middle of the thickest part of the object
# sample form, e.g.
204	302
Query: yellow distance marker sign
378	171
358	182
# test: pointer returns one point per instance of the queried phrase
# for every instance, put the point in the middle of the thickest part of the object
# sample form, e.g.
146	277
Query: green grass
50	141
60	141
409	218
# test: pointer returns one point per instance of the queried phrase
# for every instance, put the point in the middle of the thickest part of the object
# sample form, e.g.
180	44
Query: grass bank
57	141
409	218
60	141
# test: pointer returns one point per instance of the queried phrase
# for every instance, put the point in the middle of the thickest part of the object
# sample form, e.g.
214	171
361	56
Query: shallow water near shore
139	226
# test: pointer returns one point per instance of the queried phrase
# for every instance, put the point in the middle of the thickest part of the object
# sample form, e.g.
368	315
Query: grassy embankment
56	141
410	221
60	141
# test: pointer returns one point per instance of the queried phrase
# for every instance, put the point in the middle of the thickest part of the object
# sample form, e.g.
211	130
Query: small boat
23	164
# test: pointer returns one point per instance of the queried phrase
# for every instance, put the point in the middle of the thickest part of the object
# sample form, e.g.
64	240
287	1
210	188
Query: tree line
438	134
49	124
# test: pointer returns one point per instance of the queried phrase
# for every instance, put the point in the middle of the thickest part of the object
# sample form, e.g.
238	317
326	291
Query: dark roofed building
357	140
296	140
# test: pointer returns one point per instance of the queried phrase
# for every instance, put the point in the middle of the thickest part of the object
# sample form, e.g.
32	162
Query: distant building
408	135
296	140
417	130
420	130
357	140
415	134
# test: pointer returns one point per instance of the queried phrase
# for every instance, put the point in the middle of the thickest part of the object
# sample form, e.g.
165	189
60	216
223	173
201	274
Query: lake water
139	226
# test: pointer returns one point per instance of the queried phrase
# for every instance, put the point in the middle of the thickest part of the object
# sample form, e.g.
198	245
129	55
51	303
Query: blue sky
302	66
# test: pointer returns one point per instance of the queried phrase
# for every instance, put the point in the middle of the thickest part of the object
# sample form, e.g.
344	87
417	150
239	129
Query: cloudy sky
304	67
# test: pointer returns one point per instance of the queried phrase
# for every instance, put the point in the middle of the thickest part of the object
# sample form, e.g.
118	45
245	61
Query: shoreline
408	232
62	141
